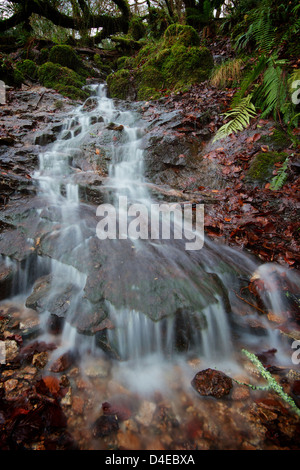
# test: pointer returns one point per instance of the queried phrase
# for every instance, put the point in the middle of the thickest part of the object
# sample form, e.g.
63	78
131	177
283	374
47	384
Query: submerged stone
210	382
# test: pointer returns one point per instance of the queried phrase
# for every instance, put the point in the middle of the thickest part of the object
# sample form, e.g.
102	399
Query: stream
139	315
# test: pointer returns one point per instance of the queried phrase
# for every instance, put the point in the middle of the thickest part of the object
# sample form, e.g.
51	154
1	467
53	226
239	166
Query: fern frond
249	79
279	180
240	118
273	93
260	30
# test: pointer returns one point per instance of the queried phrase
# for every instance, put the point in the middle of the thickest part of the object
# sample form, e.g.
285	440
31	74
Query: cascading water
136	313
160	298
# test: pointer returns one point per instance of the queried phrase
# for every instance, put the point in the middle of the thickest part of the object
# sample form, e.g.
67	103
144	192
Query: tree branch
43	8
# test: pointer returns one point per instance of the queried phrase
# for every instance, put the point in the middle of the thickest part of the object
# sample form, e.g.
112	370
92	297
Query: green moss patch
262	166
118	84
173	62
187	65
63	79
28	69
149	80
66	56
181	34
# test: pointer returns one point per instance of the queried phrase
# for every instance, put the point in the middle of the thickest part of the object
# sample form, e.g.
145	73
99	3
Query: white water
136	337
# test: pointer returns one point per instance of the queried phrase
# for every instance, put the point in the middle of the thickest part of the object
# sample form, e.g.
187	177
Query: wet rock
146	413
7	141
44	138
114	127
95	119
55	298
96	368
6	277
11	350
128	441
27	352
64	362
66	135
210	382
10	385
105	425
121	405
90	104
40	360
55	324
77	405
30	325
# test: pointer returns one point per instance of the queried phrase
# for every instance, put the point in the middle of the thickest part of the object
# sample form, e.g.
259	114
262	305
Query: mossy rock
10	75
106	69
149	81
262	166
181	34
62	79
277	141
187	65
18	78
119	84
121	62
72	92
126	44
66	56
44	56
28	69
137	29
146	53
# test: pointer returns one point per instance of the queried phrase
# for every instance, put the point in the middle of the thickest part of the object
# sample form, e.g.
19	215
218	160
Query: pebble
78	405
146	413
10	385
40	360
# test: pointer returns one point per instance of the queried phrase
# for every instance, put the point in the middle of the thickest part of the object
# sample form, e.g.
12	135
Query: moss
118	84
72	92
63	79
126	44
106	69
145	53
187	65
44	56
262	166
121	61
137	29
149	81
276	141
66	56
181	34
28	68
18	78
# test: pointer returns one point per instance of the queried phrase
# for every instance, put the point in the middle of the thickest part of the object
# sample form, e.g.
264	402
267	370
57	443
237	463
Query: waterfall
160	298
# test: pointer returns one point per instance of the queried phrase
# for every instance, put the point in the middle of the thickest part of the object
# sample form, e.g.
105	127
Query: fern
279	180
272	383
249	79
240	118
261	31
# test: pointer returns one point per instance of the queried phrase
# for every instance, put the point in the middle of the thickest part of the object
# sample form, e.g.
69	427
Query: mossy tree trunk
82	19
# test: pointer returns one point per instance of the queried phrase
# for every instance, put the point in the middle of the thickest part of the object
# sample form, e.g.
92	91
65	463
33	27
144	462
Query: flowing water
167	305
